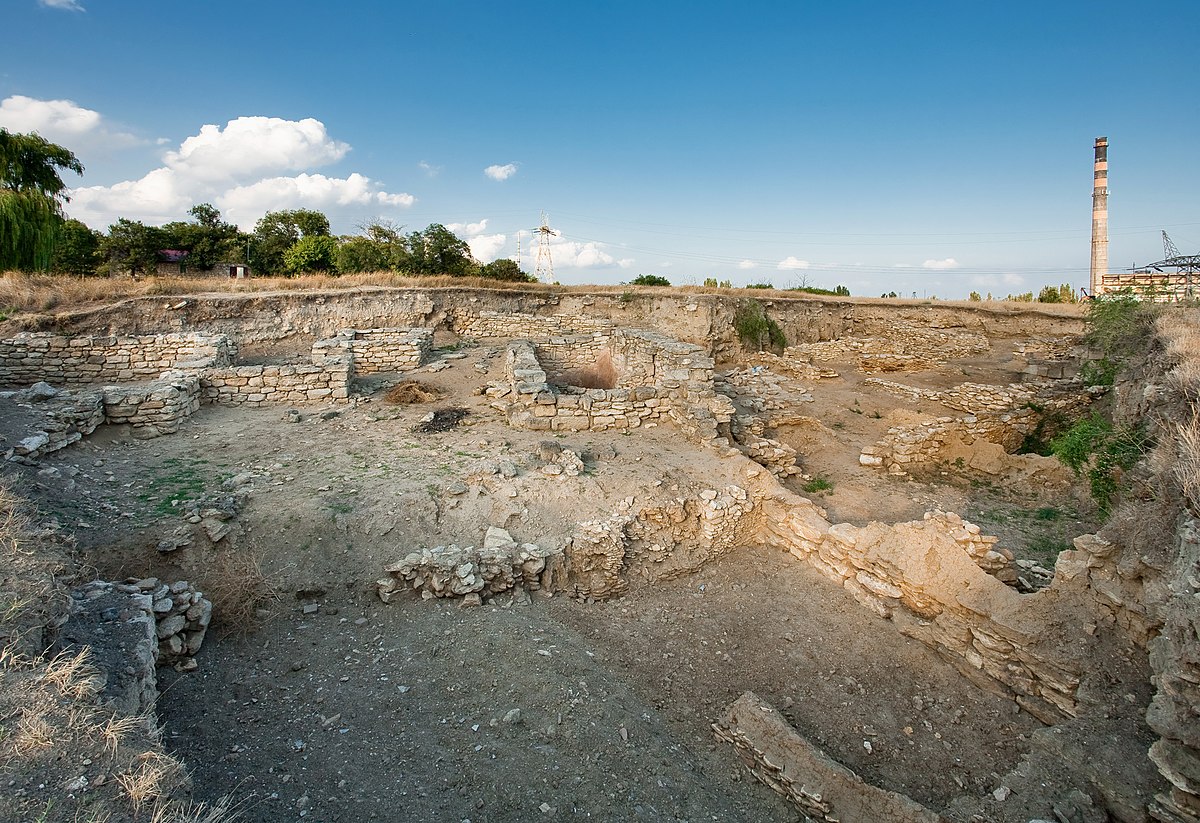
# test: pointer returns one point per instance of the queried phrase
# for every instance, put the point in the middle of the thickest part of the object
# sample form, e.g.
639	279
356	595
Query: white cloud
245	204
66	5
250	146
229	167
746	264
155	198
429	169
468	229
948	263
486	247
62	121
501	172
572	254
791	263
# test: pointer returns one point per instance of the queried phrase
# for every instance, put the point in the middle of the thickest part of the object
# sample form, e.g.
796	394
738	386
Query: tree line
36	235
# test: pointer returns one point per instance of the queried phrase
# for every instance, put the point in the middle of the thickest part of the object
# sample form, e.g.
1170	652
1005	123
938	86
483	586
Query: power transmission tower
1169	249
544	268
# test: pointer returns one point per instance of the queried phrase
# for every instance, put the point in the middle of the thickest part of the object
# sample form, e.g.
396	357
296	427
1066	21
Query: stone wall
34	356
508	325
905	447
380	350
926	577
299	383
153	408
530	402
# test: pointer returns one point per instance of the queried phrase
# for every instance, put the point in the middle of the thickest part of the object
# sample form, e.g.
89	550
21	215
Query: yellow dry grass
1179	329
54	729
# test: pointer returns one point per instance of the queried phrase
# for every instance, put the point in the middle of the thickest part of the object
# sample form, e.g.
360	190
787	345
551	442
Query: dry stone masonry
33	356
927	577
499	565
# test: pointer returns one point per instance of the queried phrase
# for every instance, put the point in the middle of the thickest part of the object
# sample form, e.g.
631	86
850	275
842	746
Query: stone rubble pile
500	565
64	417
182	615
903	447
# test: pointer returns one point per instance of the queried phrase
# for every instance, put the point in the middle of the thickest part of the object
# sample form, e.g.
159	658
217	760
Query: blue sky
931	147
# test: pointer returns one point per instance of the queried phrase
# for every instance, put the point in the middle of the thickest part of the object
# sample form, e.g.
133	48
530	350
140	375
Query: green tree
1049	294
31	199
133	247
277	231
381	247
974	297
649	280
77	250
437	250
710	282
842	291
505	269
208	240
312	253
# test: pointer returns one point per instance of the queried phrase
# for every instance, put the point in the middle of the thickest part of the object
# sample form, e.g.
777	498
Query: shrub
1102	372
649	280
755	329
820	483
1102	452
1119	324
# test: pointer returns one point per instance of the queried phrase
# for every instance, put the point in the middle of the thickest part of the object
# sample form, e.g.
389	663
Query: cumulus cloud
64	122
468	229
65	5
948	263
243	205
791	263
589	255
250	146
501	172
746	264
240	168
486	247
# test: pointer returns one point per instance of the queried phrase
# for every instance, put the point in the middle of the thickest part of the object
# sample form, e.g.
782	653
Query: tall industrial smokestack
1100	216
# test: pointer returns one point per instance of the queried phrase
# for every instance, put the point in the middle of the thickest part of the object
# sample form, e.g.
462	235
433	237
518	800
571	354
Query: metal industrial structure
544	267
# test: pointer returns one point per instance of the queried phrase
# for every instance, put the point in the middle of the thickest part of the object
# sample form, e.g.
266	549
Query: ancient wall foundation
35	356
927	577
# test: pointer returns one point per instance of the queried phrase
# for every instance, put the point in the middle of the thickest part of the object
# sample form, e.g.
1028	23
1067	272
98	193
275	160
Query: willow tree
31	199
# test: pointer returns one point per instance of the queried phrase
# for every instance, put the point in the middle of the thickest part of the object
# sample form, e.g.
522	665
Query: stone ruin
939	579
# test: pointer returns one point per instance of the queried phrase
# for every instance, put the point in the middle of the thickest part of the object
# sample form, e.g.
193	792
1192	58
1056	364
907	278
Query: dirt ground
332	706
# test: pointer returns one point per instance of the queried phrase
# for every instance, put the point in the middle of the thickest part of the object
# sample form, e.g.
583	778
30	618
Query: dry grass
1187	469
151	777
53	729
1179	329
33	293
411	391
235	583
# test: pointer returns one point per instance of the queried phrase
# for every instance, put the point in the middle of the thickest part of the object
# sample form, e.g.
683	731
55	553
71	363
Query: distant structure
1100	217
1175	277
544	268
